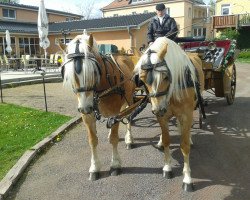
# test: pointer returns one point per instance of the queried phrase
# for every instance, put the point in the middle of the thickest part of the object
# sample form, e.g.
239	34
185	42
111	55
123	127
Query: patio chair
2	64
9	64
28	63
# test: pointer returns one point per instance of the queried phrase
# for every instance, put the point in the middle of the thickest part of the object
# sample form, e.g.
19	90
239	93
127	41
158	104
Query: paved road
220	160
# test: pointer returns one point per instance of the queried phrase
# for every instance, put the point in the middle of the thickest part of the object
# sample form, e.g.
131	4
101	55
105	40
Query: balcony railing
233	21
225	21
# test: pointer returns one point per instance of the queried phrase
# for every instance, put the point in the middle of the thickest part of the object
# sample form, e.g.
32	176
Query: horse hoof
115	171
160	148
93	176
188	187
129	146
168	174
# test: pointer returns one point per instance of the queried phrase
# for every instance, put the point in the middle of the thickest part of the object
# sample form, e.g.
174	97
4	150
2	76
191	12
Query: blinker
78	60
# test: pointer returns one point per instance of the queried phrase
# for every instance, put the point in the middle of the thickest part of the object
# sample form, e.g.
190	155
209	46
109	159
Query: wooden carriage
218	65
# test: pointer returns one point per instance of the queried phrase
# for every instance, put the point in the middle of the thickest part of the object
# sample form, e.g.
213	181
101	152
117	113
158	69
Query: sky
71	5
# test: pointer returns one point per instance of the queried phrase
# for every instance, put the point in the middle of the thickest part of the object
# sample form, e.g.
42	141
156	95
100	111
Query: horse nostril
164	110
89	109
80	110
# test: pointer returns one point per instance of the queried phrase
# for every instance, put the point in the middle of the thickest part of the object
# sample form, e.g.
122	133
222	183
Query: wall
237	6
31	16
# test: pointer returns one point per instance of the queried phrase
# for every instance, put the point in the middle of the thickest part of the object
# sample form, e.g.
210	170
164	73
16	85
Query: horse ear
163	51
91	40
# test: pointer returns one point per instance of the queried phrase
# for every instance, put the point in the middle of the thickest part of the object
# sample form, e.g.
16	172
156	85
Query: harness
149	67
114	87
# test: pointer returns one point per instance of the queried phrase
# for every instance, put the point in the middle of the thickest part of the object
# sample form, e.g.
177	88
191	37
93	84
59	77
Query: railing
225	21
231	21
244	19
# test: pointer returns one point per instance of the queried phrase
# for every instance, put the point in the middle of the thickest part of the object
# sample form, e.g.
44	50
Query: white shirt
160	19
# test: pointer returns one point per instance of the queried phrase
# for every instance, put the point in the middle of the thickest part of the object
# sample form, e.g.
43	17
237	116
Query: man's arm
173	30
150	34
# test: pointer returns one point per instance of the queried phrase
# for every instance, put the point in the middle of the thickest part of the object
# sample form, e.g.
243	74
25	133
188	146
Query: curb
17	170
30	82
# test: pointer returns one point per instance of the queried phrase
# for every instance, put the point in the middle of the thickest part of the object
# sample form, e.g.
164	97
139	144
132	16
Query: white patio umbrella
8	41
43	28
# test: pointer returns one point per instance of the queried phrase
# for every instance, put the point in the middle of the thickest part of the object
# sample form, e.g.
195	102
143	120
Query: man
161	25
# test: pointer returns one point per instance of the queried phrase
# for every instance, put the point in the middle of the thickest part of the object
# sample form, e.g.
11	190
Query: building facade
233	14
192	16
21	21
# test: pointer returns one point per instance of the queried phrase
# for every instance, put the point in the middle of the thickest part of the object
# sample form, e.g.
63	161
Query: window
199	32
67	40
168	11
115	15
8	13
29	46
139	1
133	13
225	9
189	12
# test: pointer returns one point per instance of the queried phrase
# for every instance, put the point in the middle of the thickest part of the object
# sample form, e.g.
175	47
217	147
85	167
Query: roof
120	22
35	8
125	3
18	27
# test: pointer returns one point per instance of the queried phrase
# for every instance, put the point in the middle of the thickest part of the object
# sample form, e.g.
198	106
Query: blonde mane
89	75
177	62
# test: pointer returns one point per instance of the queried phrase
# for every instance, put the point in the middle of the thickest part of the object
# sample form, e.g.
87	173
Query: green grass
20	129
243	60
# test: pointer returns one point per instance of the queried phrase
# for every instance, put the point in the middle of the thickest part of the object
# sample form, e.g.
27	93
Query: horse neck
110	76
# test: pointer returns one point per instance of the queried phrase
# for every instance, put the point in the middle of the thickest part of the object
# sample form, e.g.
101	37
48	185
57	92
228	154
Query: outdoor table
39	63
17	61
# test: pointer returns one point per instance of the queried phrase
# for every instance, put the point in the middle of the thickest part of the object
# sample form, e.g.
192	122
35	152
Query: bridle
77	58
149	67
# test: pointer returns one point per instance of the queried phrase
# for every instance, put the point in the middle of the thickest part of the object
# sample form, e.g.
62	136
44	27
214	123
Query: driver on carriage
161	25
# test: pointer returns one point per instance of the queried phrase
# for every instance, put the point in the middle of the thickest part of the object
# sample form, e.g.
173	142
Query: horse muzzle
85	110
159	112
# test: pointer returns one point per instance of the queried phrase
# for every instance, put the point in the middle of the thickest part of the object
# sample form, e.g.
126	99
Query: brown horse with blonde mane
171	80
103	87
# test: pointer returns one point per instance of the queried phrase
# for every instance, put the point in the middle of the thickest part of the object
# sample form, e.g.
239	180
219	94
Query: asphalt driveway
220	160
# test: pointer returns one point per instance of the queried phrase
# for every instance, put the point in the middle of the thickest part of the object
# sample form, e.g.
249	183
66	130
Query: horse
172	84
103	87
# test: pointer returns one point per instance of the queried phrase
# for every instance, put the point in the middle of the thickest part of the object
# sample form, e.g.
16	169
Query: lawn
20	129
243	60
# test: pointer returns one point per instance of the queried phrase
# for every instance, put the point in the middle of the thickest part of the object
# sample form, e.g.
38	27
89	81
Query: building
192	16
21	21
233	14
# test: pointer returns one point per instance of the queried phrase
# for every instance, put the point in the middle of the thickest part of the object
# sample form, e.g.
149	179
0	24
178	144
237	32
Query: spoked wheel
231	96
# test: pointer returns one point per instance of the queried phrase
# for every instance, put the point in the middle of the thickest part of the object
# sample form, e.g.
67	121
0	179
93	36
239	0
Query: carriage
217	63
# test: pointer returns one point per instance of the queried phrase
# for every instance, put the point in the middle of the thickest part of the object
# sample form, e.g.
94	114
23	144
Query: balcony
231	21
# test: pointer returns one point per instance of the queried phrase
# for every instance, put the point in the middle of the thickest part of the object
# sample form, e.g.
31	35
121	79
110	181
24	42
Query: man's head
160	9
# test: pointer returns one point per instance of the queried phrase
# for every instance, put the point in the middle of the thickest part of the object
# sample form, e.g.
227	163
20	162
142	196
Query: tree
87	9
212	5
9	1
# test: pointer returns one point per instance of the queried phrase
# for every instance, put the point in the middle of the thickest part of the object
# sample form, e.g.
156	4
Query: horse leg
90	123
129	140
165	142
179	129
186	121
116	160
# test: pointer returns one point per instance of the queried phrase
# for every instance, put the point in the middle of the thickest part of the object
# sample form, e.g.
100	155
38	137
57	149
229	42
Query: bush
229	33
244	54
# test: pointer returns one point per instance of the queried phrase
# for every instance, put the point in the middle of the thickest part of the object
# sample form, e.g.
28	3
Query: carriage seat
214	56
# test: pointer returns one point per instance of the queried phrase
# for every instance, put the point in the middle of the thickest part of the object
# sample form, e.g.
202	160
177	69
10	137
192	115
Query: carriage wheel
231	96
200	118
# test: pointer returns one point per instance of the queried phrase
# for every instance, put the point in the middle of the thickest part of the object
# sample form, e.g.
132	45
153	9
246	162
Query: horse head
154	73
82	71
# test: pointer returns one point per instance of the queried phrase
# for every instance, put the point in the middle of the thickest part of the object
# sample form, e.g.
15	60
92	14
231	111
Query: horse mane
177	62
89	74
